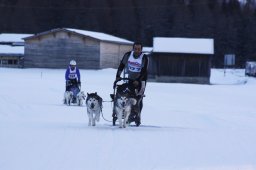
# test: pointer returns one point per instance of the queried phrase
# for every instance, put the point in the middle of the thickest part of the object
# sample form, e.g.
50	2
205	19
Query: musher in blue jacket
72	76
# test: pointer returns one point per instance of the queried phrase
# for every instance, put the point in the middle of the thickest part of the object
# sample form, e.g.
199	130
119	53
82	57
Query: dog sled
74	95
124	87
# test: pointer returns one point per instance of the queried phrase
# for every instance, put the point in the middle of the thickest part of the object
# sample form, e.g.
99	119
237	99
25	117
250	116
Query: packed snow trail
184	126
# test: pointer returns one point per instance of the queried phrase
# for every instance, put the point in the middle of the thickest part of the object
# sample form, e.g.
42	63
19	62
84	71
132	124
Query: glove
135	83
68	82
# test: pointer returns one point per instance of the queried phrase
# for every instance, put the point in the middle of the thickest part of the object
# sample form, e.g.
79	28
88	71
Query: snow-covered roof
183	45
100	36
6	37
8	49
147	49
92	34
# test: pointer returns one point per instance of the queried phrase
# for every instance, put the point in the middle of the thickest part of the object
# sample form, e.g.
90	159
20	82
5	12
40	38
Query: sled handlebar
121	79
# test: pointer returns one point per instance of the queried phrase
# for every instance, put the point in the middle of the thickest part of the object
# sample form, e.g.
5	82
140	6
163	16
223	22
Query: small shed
12	49
11	56
181	60
92	50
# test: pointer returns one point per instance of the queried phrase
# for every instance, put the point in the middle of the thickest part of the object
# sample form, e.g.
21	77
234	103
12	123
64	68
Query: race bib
134	67
72	76
135	64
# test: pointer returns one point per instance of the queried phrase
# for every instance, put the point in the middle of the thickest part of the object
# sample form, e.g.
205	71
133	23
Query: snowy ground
184	126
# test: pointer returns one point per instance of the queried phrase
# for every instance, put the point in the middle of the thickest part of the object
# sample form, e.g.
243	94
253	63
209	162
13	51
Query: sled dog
123	106
80	98
94	108
68	95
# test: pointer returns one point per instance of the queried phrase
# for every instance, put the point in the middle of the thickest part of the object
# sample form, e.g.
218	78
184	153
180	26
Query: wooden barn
92	50
181	60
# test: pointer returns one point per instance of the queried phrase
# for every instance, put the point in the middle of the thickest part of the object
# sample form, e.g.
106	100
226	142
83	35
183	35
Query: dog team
122	106
128	101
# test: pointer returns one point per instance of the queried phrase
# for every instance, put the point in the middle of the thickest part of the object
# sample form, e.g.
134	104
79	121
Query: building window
10	62
4	62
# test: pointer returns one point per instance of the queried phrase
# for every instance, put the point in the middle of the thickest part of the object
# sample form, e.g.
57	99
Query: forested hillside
231	23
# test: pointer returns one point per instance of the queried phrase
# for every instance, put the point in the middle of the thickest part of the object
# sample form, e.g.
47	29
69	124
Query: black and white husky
94	108
123	105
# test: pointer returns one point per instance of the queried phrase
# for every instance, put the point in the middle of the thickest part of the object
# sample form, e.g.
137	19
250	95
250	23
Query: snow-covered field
184	126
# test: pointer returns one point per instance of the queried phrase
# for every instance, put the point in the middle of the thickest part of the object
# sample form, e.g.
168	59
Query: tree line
231	23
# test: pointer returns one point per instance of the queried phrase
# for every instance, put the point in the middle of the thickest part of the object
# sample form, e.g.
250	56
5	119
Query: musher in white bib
136	64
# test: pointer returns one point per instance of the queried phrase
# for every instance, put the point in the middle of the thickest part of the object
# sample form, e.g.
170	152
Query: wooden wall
112	53
55	50
194	68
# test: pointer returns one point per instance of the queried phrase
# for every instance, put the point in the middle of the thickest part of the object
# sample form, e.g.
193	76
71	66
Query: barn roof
92	34
147	49
101	36
6	37
183	45
8	49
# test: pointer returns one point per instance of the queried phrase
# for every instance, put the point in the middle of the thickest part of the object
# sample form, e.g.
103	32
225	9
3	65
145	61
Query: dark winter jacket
135	70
